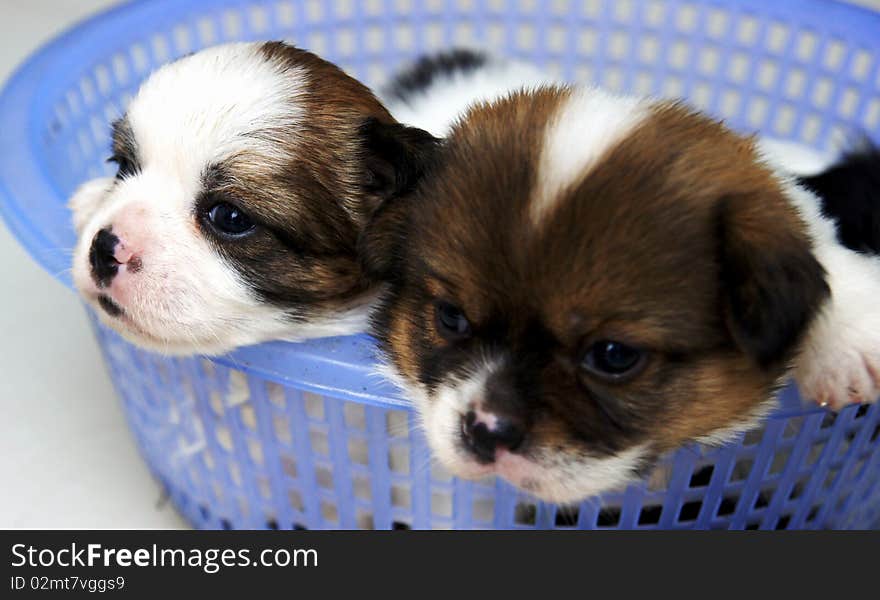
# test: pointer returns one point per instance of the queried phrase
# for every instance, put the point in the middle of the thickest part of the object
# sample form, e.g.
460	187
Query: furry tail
850	192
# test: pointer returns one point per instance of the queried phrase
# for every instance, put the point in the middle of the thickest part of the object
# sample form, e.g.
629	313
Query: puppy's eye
228	219
612	360
451	322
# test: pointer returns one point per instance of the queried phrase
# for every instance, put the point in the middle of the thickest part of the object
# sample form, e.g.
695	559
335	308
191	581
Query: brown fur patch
309	197
678	243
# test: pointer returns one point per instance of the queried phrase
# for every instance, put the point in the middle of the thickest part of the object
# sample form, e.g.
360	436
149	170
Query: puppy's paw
840	361
842	373
86	200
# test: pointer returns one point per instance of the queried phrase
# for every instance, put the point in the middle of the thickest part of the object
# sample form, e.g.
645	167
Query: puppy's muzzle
102	258
484	439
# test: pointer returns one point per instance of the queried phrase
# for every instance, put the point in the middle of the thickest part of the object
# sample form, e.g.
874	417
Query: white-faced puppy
583	281
245	174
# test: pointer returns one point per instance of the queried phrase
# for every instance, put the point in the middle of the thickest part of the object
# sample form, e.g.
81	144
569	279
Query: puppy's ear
381	241
772	284
395	156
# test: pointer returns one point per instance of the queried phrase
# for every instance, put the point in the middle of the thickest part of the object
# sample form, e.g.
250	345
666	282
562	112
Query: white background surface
66	457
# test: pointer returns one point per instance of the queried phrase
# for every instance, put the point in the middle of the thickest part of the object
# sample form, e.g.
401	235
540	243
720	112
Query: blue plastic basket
283	435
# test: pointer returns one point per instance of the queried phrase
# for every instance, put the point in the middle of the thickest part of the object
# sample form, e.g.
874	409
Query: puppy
245	173
583	281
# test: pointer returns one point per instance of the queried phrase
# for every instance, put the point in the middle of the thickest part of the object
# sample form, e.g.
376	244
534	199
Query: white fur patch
585	127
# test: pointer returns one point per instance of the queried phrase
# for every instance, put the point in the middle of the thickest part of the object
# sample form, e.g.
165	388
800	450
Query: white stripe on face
588	124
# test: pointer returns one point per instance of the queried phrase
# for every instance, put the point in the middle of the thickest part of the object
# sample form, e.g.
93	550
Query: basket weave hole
288	466
324	476
483	510
861	65
849	101
102	77
284	13
223	437
805	47
441	504
255	451
619	45
234	473
182	40
264	487
690	511
320	442
439	473
758	110
679	54
358	451
232	26
747	30
404	37
738	67
717	22
834	53
650	514
139	59
702	476
159	46
731	100
294	499
398	459
237	391
207	31
780	460
397	423
248	416
768	73
316	41
830	478
815	453
329	512
354	415
777	37
314	406
727	506
586	42
525	513
258	17
763	498
364	519
709	60
401	496
120	68
87	91
741	470
362	488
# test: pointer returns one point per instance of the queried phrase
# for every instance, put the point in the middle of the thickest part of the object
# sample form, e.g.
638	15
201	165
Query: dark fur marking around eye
124	147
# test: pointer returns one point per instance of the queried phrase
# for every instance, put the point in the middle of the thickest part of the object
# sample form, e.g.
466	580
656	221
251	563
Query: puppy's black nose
483	441
104	264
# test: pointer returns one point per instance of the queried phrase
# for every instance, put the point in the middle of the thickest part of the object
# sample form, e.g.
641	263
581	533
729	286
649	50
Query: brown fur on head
556	222
246	173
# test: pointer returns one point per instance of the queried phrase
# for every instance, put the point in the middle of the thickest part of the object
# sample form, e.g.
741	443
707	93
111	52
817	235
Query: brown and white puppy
583	281
245	174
